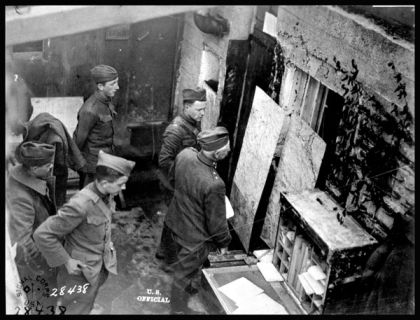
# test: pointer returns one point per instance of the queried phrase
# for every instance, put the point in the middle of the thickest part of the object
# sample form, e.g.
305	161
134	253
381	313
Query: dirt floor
136	234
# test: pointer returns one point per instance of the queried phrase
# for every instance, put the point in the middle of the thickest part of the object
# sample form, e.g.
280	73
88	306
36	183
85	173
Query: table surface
217	277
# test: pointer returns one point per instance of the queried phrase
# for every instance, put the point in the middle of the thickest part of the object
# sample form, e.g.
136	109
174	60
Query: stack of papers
310	285
240	290
250	298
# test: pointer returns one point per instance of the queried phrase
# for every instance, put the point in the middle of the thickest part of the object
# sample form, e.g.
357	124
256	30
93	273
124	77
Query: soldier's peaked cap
213	139
103	73
119	164
194	95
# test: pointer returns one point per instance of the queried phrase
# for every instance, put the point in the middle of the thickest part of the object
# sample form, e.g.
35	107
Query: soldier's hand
74	266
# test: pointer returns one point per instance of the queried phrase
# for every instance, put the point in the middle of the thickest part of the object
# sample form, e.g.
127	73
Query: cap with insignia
213	139
103	73
194	95
119	164
34	154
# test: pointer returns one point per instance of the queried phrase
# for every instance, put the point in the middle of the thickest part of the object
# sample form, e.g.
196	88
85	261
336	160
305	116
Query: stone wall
241	21
373	173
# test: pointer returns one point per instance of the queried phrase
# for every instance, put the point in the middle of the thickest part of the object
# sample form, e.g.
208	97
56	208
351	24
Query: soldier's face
114	187
195	110
109	88
223	152
43	172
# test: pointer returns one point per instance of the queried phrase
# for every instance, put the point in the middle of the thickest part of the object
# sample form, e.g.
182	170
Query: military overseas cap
33	154
194	95
119	164
213	139
103	73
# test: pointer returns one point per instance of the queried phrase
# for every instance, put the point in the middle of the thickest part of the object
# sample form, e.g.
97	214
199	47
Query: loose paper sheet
261	304
229	209
240	290
269	272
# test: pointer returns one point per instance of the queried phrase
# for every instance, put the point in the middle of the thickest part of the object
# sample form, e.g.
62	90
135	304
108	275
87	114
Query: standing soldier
95	118
181	133
84	222
30	201
196	218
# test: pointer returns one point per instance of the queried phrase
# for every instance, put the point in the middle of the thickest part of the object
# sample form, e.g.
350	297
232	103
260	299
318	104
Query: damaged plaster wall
241	22
374	72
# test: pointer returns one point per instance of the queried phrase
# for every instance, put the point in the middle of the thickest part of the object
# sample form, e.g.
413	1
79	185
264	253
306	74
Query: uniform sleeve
215	212
86	121
171	146
22	218
49	234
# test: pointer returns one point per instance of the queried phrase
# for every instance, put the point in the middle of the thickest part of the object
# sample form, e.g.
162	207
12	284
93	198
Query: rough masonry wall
241	19
373	175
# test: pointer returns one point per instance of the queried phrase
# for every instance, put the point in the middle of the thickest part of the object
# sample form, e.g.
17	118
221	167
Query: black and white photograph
209	159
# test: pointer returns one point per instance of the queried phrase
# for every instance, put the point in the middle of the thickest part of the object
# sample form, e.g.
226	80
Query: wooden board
319	216
300	160
63	108
259	144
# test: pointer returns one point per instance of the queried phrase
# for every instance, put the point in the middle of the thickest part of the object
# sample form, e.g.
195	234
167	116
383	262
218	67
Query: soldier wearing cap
181	133
87	255
95	118
30	201
196	217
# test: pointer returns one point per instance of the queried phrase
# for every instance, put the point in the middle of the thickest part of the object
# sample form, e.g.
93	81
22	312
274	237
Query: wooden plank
263	129
309	100
32	23
298	169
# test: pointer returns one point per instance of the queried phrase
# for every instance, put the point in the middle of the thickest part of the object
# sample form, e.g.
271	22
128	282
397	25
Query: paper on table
240	290
316	272
229	209
261	304
269	271
265	255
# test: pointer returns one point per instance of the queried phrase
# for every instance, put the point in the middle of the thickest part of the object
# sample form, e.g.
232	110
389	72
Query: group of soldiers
69	243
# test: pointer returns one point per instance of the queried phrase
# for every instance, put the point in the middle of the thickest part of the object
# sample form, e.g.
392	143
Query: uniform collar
206	160
105	100
22	175
94	188
189	120
101	97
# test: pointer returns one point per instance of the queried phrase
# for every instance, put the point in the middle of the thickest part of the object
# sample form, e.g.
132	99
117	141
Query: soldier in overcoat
87	254
181	133
30	201
196	218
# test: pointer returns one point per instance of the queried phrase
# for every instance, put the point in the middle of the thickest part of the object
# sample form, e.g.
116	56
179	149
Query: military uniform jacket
197	213
95	128
30	201
181	133
85	224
